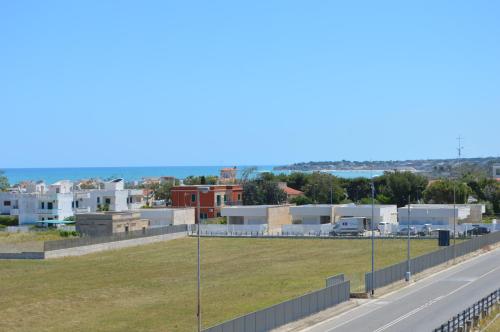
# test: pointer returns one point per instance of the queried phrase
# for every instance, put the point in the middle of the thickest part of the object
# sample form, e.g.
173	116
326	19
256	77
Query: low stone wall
83	250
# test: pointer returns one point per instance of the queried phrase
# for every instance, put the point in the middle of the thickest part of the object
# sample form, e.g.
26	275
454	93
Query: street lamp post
408	272
198	310
373	240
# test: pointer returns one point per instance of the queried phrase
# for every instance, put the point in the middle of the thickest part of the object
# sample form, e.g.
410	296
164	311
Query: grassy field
21	237
153	287
27	241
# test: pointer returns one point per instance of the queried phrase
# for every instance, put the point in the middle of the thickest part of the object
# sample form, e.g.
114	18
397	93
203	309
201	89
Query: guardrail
89	240
396	272
288	311
467	317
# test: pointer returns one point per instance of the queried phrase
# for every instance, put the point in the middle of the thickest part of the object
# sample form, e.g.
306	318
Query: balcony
53	212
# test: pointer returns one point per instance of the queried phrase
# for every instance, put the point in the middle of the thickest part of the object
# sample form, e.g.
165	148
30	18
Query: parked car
404	231
478	230
425	230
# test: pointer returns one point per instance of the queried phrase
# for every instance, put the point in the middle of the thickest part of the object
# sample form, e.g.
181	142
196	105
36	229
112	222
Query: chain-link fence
89	240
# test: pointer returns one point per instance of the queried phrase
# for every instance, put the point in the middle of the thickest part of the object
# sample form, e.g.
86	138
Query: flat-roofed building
312	214
271	215
330	213
160	217
108	223
211	201
382	213
435	214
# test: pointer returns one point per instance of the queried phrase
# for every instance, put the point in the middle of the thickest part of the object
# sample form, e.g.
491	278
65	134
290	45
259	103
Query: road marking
421	284
431	302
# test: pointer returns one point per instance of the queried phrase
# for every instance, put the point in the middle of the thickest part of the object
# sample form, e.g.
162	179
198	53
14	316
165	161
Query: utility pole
199	190
459	150
373	239
408	272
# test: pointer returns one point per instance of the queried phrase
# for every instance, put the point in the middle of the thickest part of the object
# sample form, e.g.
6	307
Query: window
76	204
6	203
107	201
42	205
225	198
239	197
50	205
218	200
98	200
193	198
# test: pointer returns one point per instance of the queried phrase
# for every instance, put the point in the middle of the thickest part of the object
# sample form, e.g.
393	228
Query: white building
168	216
39	203
114	197
312	214
325	213
271	215
435	214
57	201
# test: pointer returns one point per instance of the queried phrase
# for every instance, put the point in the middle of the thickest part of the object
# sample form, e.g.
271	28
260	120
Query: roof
291	191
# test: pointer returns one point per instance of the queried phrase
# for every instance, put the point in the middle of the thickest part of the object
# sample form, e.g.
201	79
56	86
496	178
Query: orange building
211	202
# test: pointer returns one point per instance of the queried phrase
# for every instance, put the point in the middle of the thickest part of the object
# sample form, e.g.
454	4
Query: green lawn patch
153	287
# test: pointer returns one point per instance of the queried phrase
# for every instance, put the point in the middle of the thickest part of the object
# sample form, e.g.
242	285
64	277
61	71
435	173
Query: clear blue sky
138	83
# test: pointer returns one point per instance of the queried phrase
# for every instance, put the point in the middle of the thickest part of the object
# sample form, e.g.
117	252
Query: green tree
324	188
358	188
258	192
397	186
4	181
197	180
298	180
162	191
301	200
441	192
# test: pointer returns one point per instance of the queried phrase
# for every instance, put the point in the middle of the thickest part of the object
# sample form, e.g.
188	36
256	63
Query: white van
349	226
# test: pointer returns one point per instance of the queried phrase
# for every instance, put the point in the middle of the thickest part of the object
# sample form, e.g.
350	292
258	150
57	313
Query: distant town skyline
95	84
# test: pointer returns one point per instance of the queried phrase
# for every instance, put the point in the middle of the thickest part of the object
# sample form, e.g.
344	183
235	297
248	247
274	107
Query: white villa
39	202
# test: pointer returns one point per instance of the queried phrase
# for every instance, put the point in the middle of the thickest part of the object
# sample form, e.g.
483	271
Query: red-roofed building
290	192
211	202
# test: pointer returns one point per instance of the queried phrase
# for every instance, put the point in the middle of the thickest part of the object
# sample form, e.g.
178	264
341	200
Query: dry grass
153	287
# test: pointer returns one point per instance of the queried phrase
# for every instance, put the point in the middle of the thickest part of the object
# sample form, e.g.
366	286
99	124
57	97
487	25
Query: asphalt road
424	305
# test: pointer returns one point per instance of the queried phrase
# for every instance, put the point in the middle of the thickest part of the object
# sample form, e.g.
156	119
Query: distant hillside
432	167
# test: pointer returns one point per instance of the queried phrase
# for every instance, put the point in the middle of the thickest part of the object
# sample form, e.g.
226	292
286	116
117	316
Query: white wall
166	216
382	213
433	214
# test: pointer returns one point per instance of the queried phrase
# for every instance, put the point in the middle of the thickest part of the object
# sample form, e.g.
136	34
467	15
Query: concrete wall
166	216
433	214
382	213
311	214
277	216
79	251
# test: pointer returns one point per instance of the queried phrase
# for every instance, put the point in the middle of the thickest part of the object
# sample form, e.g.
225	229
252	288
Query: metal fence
89	240
466	317
396	272
336	279
288	311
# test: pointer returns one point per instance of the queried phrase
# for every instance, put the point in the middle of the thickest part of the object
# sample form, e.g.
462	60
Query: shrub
8	220
63	233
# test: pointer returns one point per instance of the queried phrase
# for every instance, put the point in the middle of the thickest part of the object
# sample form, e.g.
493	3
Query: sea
51	175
